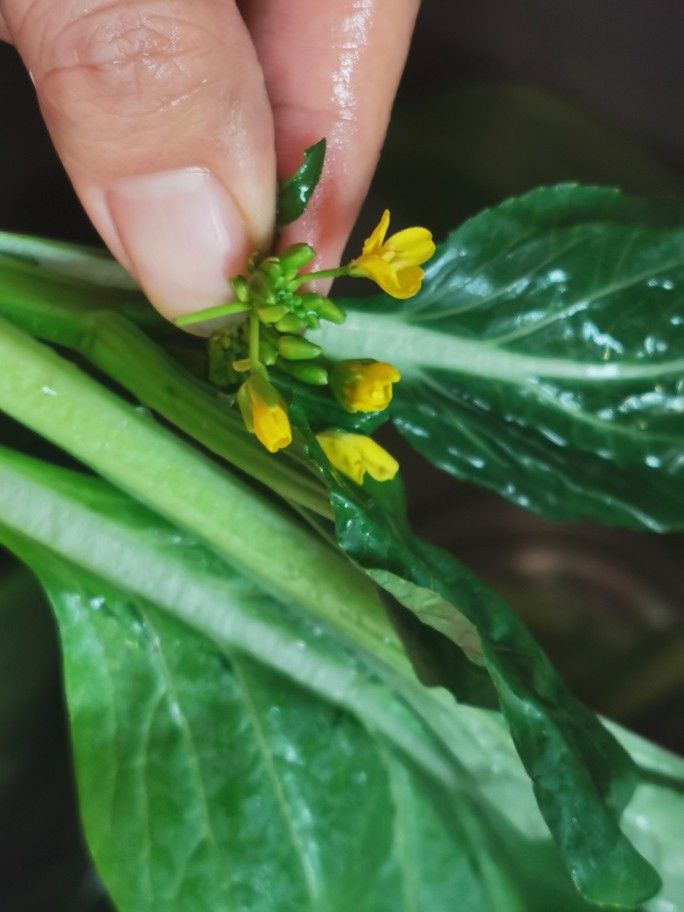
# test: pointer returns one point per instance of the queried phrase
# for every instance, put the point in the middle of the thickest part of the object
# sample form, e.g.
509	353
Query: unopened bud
297	255
328	310
310	301
268	354
290	324
296	348
272	314
261	289
312	321
240	288
272	269
306	371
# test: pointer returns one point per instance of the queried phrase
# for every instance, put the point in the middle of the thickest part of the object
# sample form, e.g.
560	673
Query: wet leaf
295	192
544	356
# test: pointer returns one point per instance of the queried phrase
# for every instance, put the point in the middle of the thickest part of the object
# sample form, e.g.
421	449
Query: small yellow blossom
264	414
363	385
394	264
356	454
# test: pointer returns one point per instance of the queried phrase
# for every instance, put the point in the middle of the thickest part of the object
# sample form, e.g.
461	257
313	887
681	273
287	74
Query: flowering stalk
273	314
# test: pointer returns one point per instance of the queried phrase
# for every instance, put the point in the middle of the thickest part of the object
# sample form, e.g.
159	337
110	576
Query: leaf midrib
374	336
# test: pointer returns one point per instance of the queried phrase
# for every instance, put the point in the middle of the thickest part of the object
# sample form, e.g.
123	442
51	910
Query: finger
331	70
160	115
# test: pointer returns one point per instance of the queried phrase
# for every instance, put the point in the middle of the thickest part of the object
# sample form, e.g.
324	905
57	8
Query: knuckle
127	58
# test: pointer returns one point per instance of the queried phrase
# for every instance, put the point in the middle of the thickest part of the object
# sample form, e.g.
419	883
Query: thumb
159	113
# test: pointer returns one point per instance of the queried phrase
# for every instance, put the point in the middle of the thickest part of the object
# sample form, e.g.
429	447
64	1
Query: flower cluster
270	316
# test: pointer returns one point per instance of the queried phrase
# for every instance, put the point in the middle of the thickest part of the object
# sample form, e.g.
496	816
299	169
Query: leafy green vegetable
190	573
295	192
582	778
544	356
230	753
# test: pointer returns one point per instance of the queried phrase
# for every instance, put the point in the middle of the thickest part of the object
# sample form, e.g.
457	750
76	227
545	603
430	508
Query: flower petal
409	280
356	454
342	455
414	244
379	271
373	244
272	427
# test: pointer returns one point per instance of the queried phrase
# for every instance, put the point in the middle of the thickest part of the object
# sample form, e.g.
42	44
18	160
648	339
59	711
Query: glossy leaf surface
546	723
582	778
231	755
544	357
295	192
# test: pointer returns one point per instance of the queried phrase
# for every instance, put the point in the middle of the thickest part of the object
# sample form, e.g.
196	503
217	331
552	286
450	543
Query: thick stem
254	342
58	401
129	357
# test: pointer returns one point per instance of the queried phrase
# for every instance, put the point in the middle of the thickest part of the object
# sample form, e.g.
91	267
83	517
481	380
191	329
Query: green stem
254	342
61	403
129	357
126	355
209	313
321	274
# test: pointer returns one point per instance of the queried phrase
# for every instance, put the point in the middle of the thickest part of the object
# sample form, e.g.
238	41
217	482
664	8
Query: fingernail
184	236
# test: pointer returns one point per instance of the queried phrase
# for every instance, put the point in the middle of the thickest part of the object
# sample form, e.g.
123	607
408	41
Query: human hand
172	118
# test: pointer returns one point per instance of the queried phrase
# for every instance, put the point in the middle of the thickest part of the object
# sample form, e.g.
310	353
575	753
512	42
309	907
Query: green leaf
544	356
46	393
56	282
656	815
581	776
58	401
232	754
295	192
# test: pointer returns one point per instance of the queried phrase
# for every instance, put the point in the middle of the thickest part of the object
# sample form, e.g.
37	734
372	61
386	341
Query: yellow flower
394	264
363	385
356	454
264	414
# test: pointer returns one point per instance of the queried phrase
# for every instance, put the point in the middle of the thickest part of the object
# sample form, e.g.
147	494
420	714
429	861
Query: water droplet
558	275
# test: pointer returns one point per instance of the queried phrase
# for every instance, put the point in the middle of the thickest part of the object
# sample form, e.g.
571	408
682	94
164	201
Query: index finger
332	71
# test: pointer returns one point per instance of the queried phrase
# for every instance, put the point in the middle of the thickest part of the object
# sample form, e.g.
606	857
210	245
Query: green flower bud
261	289
296	255
312	321
296	348
310	301
268	354
289	324
272	314
306	371
240	288
328	310
272	269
